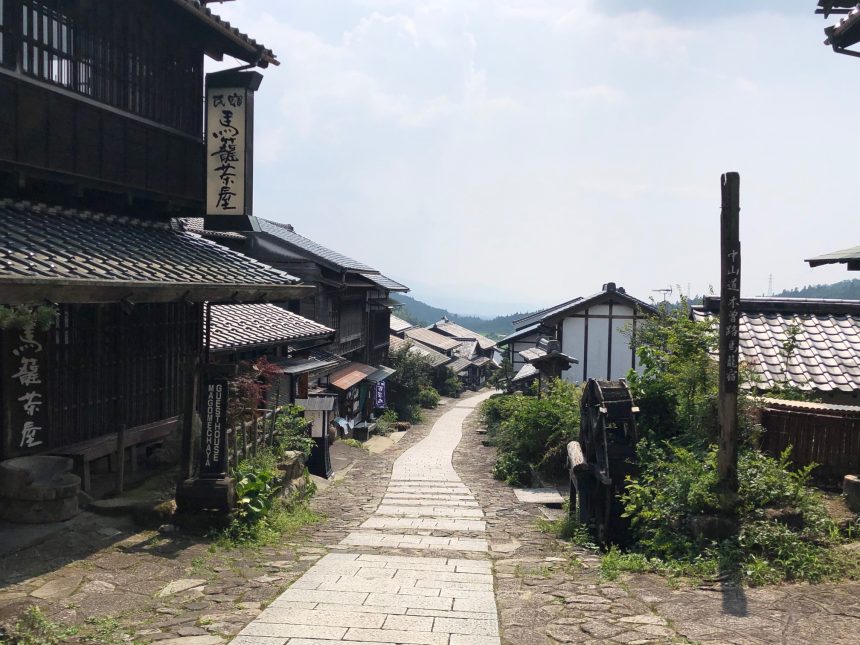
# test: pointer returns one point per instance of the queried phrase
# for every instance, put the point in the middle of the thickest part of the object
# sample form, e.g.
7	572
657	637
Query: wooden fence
827	435
248	438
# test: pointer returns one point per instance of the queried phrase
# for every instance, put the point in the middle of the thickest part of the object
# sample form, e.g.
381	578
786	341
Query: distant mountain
845	290
420	313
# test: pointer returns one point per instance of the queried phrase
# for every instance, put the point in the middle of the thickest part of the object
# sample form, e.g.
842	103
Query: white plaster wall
572	344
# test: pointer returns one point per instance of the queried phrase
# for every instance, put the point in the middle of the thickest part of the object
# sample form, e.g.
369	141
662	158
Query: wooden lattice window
123	54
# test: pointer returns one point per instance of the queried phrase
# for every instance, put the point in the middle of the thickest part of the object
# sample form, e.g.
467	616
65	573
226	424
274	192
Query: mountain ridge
423	314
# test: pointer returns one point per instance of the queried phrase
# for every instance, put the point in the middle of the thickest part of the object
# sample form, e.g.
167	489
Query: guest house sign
214	458
229	149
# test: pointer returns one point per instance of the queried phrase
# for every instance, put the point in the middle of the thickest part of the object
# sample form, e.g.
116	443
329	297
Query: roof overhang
849	257
29	291
226	39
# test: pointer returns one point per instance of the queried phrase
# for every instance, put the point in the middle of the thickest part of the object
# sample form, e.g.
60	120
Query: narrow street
374	589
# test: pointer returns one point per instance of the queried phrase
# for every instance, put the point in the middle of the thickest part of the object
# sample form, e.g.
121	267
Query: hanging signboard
229	150
25	392
213	461
380	399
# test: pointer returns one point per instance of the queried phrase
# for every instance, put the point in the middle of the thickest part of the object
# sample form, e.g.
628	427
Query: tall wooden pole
730	305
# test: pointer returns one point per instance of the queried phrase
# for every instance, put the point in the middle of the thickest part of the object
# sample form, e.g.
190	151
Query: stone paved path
383	596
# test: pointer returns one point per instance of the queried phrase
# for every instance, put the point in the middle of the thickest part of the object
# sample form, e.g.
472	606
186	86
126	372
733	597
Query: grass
355	443
286	519
34	628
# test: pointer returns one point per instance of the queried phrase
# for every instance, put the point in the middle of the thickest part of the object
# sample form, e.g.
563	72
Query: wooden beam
730	308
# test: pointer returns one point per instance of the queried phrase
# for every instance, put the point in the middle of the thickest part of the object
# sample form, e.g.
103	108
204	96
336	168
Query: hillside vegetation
420	313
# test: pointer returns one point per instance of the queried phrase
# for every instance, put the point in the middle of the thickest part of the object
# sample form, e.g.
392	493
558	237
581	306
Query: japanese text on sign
730	330
225	149
27	387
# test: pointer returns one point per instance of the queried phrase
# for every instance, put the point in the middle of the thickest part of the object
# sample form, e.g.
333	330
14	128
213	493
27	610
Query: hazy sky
497	155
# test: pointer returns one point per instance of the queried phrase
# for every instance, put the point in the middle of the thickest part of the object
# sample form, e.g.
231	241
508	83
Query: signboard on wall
213	462
380	396
229	150
25	390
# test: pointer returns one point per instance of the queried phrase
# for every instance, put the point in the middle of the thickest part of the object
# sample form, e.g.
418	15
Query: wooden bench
110	445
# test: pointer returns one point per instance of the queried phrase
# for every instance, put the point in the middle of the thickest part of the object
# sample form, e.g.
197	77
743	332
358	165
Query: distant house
809	344
592	329
476	348
397	326
443	344
436	359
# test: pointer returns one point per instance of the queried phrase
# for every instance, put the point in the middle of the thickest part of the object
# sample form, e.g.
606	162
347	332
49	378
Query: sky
505	155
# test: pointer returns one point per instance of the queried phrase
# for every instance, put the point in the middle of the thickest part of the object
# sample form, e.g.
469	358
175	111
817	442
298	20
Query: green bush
404	386
385	423
428	398
511	469
292	431
447	383
531	432
783	529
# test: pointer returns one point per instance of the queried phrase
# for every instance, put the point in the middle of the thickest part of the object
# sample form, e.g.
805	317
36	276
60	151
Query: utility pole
730	309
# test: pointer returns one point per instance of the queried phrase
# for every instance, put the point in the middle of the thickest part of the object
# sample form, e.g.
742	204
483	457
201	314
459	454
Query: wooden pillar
730	296
189	409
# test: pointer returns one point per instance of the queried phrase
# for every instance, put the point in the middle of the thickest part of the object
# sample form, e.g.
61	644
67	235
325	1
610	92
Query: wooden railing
246	440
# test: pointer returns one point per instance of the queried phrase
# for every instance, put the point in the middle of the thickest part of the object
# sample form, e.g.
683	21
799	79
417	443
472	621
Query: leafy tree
404	386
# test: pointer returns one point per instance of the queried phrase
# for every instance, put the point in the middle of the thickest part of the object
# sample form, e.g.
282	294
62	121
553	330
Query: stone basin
38	489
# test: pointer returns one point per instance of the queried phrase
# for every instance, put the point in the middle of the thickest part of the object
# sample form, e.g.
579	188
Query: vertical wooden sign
230	150
24	364
213	463
730	309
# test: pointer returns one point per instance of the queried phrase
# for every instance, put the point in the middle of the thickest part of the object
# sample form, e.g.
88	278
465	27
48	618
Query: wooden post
255	438
730	297
120	460
186	457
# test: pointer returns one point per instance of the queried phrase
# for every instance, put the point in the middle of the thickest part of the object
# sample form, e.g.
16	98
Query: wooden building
595	329
102	148
350	296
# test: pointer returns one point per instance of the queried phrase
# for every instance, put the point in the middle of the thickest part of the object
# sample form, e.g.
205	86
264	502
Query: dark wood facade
105	97
99	368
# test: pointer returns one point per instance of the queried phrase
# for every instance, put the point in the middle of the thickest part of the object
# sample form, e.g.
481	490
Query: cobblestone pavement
384	593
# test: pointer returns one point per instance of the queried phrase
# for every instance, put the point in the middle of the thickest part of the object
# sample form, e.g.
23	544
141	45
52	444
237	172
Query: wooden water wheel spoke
604	456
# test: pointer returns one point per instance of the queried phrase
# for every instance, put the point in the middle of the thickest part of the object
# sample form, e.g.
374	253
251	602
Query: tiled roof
250	46
851	257
467	349
349	375
462	333
286	233
433	357
460	365
826	357
398	325
436	341
522	333
238	326
316	361
195	225
385	282
527	371
50	250
481	360
813	407
532	353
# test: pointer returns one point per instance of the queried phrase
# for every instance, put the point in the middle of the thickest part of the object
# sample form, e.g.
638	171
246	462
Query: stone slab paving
388	594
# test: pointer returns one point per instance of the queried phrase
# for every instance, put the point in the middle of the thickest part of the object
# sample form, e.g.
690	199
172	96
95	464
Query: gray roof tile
49	243
827	353
286	233
237	326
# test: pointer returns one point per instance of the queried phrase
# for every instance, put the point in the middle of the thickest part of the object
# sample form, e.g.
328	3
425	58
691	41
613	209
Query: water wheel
603	458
